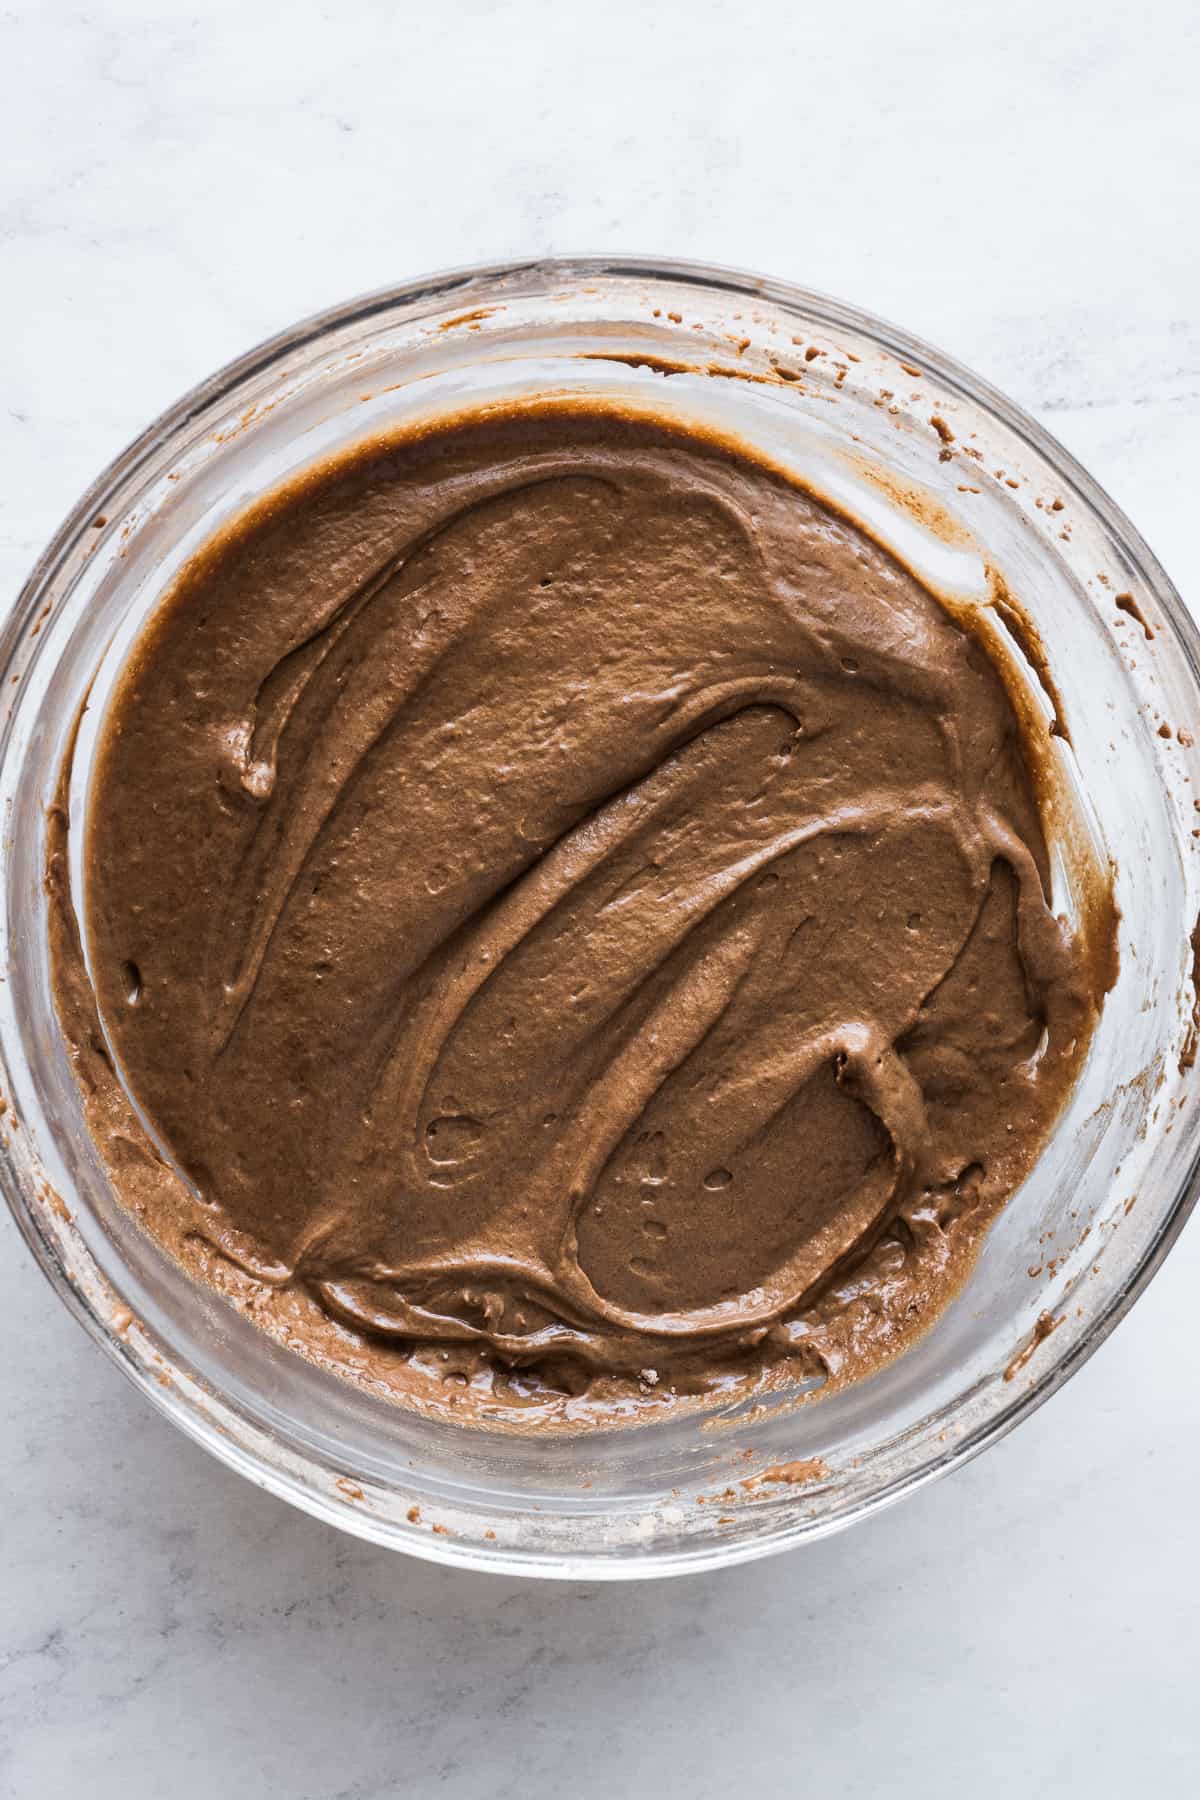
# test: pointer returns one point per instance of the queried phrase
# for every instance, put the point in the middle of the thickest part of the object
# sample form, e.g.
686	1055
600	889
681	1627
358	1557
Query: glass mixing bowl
848	400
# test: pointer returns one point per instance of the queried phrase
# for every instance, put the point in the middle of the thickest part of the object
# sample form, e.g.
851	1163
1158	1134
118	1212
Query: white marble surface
1018	183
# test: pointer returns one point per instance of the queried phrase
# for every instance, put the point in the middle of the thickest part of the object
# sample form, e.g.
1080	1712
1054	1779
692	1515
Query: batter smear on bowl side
570	913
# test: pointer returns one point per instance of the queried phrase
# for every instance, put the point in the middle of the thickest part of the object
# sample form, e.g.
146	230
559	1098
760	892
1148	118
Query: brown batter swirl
574	909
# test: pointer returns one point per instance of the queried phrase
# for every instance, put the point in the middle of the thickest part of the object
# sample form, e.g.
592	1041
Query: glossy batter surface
574	910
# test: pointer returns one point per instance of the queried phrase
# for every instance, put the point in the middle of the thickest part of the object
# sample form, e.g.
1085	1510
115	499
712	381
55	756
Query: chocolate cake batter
571	914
